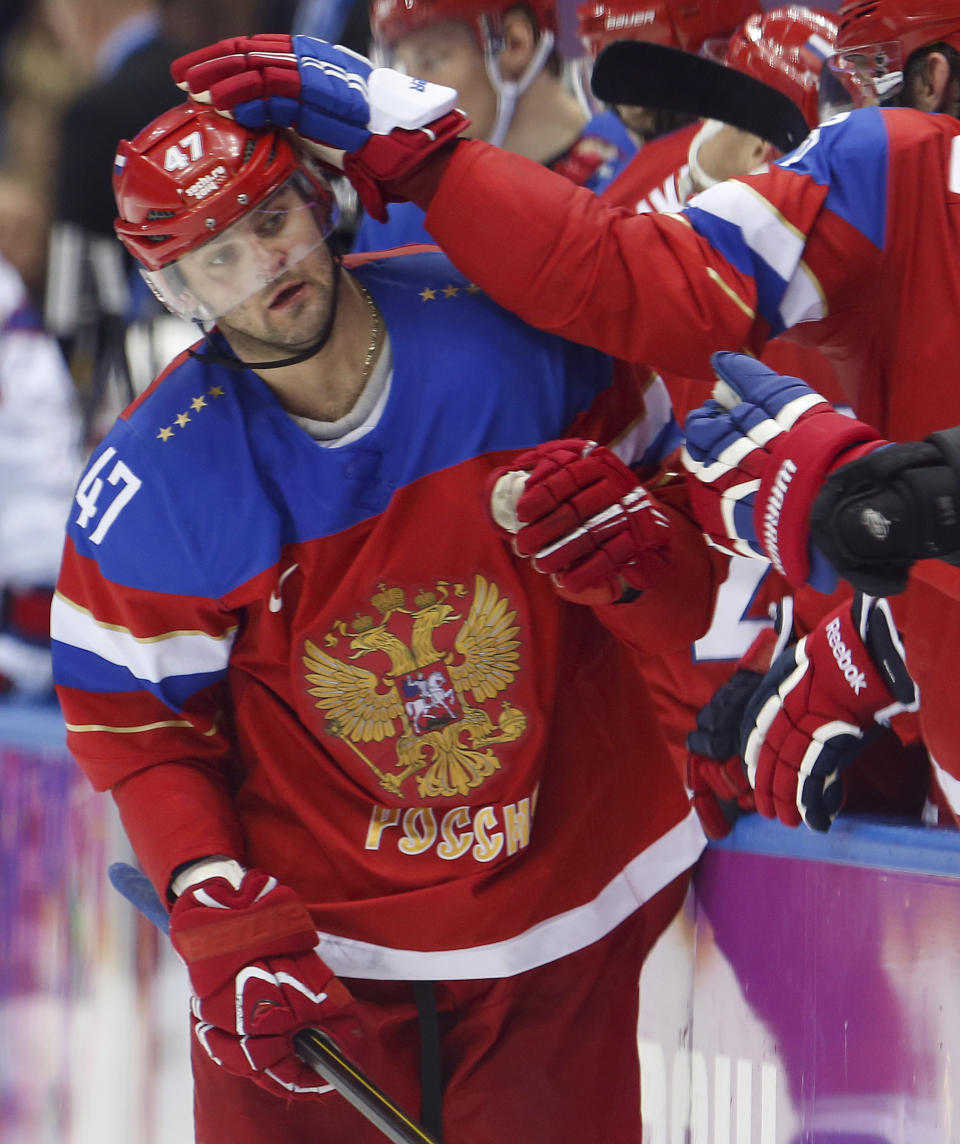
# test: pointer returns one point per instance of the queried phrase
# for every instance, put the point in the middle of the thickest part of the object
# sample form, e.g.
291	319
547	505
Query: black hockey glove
878	515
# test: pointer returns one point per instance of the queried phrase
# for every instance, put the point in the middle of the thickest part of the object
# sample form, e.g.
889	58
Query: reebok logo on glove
844	657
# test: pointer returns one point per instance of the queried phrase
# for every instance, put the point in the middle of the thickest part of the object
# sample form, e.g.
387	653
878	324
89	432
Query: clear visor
248	256
870	76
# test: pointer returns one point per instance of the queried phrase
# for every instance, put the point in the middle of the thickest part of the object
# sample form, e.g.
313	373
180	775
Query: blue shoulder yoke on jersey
225	478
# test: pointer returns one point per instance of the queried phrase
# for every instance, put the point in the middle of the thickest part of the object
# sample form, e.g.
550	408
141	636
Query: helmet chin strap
509	91
230	361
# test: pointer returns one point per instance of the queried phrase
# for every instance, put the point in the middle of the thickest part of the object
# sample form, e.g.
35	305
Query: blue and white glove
757	454
375	124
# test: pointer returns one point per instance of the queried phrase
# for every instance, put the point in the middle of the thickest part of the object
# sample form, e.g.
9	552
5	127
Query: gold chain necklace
376	325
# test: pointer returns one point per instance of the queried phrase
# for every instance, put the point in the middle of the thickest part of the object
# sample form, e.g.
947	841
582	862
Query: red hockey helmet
875	39
910	23
786	48
390	20
189	176
685	24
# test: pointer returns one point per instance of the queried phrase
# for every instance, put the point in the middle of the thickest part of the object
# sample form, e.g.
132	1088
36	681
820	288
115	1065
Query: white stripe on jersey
764	229
632	445
803	300
642	878
953	179
152	658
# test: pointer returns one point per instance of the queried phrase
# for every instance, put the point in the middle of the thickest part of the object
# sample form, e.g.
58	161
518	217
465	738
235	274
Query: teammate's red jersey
852	238
657	179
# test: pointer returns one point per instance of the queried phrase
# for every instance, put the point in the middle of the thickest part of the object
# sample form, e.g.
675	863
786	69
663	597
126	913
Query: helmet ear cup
706	19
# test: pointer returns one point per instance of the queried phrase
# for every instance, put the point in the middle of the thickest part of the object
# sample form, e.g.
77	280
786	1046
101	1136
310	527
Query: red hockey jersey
852	240
324	661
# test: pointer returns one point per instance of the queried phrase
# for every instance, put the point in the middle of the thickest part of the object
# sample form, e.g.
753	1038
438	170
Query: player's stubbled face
282	247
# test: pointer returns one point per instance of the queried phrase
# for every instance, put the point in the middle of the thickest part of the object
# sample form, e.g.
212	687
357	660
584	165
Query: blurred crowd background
79	333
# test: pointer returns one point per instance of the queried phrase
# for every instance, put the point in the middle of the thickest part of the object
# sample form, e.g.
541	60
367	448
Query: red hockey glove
758	454
819	705
257	980
716	777
375	124
577	512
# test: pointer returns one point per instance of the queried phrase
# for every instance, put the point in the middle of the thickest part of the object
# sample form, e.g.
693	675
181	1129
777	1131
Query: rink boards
808	992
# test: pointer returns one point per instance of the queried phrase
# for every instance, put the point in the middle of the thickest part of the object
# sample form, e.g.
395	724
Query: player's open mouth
286	295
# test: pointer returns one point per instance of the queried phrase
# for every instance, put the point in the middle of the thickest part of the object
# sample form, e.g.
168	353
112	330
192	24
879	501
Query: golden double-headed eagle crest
419	695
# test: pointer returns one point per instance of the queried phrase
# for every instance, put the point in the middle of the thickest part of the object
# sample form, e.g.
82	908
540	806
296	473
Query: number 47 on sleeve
91	488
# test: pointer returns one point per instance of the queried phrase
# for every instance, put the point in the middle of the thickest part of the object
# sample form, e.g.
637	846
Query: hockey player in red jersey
370	754
895	53
831	240
891	54
783	48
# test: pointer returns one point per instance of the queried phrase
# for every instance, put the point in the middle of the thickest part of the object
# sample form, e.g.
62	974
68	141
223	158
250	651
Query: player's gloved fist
257	980
818	706
875	516
375	124
758	453
715	774
578	513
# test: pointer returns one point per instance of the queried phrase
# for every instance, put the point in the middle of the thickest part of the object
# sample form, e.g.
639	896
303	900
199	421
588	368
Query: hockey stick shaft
313	1046
640	74
317	1050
